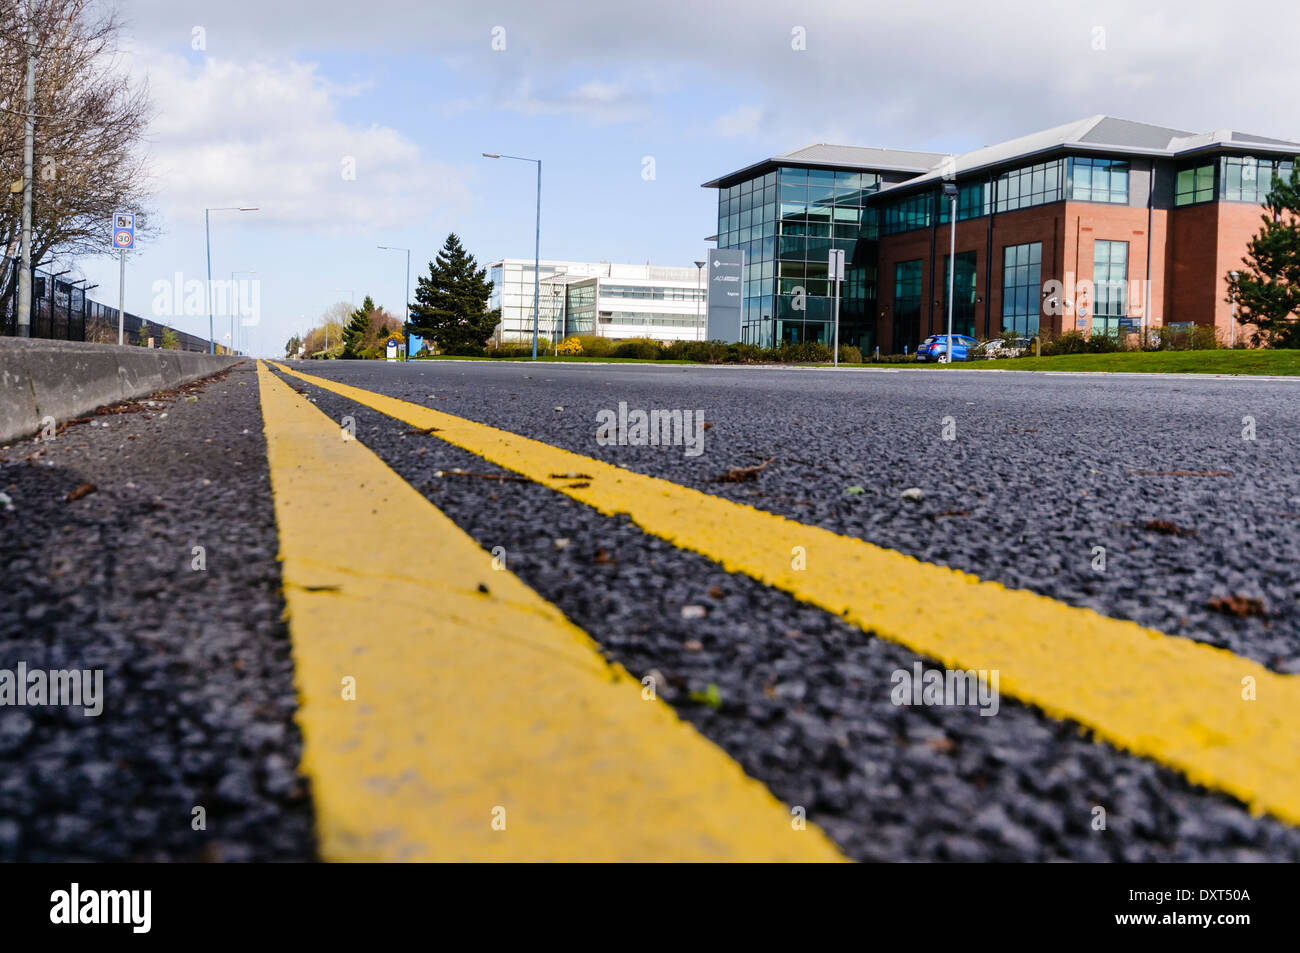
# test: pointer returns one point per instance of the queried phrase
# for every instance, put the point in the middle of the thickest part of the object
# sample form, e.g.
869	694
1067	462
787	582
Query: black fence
62	311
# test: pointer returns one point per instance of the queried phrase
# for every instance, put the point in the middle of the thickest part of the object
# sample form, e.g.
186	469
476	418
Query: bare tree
90	125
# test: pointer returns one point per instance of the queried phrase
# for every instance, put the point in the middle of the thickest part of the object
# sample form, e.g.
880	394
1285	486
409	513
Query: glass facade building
787	220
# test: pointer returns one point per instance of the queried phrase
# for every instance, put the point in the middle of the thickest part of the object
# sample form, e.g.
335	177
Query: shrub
850	354
642	349
1205	337
569	346
593	345
1071	342
743	353
807	352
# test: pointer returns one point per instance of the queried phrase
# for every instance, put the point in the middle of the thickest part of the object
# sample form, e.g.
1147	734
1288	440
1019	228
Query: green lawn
1155	362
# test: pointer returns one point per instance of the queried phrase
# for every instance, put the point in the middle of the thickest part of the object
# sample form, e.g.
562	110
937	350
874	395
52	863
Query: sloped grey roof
1096	134
1107	130
901	160
845	157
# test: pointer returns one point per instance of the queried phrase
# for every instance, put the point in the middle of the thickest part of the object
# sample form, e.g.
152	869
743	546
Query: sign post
835	271
123	238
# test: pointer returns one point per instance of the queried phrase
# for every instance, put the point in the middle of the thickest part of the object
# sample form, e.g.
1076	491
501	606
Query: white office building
614	301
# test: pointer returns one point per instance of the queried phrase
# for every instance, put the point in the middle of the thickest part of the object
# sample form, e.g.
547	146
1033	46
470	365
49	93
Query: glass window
907	305
1251	178
1109	284
821	187
972	202
1028	186
1099	180
1021	284
1194	184
963	311
906	213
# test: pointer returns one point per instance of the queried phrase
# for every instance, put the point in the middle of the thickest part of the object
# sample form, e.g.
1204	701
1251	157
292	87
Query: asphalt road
194	755
1041	469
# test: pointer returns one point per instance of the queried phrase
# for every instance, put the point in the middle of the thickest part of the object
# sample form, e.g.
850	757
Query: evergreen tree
451	303
355	332
1267	291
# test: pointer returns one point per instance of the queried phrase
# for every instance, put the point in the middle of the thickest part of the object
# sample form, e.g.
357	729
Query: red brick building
1102	225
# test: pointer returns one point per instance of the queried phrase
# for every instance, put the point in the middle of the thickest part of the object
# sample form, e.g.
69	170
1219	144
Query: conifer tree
451	303
358	325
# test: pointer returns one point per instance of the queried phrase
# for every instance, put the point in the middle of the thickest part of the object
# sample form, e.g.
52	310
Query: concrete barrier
65	379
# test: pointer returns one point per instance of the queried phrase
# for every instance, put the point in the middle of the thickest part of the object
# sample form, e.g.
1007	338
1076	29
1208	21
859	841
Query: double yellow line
450	713
1222	720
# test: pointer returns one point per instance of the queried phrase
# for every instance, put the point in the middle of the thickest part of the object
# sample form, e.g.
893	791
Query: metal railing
62	311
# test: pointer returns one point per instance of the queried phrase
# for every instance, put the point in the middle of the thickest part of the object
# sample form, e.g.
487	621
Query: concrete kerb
65	379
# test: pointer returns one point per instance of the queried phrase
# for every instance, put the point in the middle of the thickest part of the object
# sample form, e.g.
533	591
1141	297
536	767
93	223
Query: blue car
935	348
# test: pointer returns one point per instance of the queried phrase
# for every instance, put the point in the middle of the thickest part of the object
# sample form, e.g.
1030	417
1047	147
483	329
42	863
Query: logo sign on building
123	230
726	294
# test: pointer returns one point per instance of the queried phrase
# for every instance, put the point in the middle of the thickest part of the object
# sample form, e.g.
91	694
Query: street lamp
537	239
950	190
556	291
406	296
234	302
207	230
699	294
1232	324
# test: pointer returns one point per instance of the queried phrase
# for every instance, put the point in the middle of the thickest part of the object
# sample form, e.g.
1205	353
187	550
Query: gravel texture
1040	468
197	673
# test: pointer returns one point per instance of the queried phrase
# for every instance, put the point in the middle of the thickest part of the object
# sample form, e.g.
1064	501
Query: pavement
1151	518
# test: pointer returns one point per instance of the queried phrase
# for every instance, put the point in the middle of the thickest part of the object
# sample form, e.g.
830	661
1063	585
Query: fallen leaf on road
1240	606
743	474
84	490
1166	528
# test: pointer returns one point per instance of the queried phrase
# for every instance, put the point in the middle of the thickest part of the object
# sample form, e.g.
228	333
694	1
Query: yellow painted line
1171	699
469	707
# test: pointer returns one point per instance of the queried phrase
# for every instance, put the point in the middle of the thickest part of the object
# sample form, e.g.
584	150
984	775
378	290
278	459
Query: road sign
123	230
835	264
835	272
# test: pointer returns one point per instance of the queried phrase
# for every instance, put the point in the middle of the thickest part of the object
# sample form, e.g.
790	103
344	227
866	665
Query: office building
609	300
1102	225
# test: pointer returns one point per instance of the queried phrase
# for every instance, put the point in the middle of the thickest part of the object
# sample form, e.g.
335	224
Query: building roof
830	156
1098	134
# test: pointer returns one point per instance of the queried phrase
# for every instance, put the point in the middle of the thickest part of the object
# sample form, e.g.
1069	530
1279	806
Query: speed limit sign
123	230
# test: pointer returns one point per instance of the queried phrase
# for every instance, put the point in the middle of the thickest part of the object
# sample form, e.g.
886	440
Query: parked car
1005	347
935	348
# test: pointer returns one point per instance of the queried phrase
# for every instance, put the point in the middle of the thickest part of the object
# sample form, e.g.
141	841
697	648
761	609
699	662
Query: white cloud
741	121
945	74
269	134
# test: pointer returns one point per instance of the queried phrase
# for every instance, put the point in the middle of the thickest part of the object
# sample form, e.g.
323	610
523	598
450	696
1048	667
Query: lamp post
1232	324
406	296
556	291
950	190
207	231
234	291
537	238
699	295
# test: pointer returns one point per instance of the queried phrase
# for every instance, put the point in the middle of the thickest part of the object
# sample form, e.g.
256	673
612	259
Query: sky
351	125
